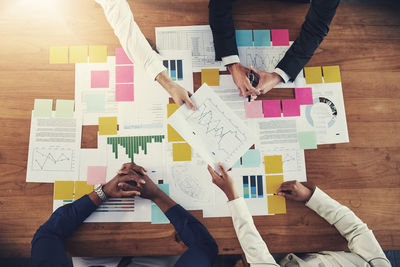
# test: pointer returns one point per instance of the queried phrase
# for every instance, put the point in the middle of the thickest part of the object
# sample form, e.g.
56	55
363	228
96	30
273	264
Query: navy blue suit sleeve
202	248
313	31
48	241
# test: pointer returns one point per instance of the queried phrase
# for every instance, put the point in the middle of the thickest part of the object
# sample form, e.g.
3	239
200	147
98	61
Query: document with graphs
213	130
54	148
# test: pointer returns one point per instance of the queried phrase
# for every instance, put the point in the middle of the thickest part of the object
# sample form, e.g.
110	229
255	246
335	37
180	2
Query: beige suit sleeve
254	247
360	238
131	38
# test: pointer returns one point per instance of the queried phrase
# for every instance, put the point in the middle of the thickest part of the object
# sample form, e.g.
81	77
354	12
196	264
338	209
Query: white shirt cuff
230	60
283	74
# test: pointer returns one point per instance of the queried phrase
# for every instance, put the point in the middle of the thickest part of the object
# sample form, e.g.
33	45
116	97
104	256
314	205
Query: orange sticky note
173	136
276	204
171	108
78	54
82	188
58	55
210	77
63	190
97	53
273	182
273	164
331	74
181	152
313	75
108	125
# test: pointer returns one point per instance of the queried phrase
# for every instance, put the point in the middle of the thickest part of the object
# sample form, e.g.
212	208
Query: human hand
224	182
296	191
123	186
267	80
148	189
240	77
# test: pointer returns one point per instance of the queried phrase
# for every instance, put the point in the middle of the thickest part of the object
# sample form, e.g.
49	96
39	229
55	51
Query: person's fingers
130	193
127	187
189	103
132	177
139	169
211	171
223	172
124	171
250	89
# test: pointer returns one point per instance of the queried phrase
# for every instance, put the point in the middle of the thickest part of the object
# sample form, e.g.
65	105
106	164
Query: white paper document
213	130
54	146
198	39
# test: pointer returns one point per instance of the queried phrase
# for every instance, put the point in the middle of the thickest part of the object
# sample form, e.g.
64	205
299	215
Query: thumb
189	102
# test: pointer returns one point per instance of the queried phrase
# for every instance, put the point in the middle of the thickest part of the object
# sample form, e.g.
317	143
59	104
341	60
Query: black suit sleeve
221	22
313	31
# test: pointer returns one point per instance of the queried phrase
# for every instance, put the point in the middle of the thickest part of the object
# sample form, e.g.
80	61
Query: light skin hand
224	182
177	92
296	191
240	77
268	80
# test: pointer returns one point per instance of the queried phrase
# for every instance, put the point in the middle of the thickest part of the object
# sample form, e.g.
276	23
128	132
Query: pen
254	79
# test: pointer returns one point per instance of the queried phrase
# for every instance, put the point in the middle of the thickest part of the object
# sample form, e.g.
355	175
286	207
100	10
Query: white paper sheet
198	39
54	145
213	130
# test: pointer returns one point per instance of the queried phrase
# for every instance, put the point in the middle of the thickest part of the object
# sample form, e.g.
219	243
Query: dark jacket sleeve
223	29
313	31
202	248
48	241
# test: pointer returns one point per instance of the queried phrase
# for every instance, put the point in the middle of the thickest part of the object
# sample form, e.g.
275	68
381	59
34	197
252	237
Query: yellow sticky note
97	53
173	136
108	125
63	190
210	77
59	55
313	75
273	164
171	108
276	204
331	74
181	152
81	189
273	182
78	54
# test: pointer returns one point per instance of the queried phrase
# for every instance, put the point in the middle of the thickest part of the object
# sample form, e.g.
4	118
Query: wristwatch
99	191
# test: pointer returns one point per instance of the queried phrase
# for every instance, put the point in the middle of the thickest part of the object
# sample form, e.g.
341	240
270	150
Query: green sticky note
262	37
96	103
43	107
308	140
65	108
58	55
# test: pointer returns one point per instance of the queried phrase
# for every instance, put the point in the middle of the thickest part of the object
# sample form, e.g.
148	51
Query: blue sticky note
95	103
262	37
157	216
308	140
237	164
251	159
244	37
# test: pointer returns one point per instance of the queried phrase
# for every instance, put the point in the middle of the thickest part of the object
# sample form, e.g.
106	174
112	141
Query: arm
202	248
48	241
139	50
313	31
361	240
250	240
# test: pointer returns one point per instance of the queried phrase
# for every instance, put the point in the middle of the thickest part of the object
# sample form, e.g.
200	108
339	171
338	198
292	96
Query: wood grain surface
363	174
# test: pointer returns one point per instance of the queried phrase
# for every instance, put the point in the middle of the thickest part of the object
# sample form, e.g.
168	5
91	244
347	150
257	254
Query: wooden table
363	174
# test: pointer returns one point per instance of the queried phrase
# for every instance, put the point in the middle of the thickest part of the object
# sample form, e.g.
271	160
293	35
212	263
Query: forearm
313	31
165	81
163	201
131	38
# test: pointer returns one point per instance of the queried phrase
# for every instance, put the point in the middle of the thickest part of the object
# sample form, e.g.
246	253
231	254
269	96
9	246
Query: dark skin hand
296	191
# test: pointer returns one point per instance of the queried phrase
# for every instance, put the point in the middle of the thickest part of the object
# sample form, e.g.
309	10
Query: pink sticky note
124	92
271	108
290	108
304	96
96	174
253	109
124	74
121	57
280	37
100	79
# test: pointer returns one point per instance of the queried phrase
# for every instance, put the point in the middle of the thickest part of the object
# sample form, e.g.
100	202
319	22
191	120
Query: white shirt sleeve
360	238
283	74
230	60
131	38
254	247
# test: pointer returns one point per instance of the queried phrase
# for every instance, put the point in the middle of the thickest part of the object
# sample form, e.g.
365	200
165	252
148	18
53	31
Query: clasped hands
267	80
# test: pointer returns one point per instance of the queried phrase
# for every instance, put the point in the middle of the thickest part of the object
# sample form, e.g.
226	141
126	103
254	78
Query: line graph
210	121
262	58
53	159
